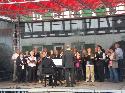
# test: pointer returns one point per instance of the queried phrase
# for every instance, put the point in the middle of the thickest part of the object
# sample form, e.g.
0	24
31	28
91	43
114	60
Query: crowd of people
88	65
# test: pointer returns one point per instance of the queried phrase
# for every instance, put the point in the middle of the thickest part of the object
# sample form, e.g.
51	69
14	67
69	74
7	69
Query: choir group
88	65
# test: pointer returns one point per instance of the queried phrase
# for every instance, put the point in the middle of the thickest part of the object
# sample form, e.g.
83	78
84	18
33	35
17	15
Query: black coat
20	62
99	56
68	59
48	65
37	55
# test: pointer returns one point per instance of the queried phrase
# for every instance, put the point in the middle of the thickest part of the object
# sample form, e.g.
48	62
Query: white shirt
30	63
119	53
103	55
14	57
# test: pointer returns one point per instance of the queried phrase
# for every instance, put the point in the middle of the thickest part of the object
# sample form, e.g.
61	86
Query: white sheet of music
57	62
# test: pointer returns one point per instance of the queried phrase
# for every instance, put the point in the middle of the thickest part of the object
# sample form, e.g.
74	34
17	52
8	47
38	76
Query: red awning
12	8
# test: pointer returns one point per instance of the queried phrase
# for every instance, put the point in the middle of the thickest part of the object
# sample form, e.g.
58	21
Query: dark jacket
37	55
89	59
20	62
99	56
47	65
68	59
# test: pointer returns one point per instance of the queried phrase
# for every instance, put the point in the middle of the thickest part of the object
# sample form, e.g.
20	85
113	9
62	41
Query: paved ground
80	85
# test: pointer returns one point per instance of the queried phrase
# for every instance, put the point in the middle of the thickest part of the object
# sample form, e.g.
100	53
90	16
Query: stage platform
79	87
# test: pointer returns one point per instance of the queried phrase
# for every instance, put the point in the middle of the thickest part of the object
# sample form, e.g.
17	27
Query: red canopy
13	8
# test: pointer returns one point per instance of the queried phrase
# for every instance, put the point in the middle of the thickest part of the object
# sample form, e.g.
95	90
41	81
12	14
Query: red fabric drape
52	5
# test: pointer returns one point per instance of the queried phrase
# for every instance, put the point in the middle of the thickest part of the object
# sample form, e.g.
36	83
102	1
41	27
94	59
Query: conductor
68	64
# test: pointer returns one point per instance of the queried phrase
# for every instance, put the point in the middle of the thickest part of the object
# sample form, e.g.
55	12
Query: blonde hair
31	53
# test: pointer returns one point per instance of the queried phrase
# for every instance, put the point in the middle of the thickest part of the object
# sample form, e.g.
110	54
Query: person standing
52	54
84	53
113	65
89	66
14	57
56	54
61	54
119	53
78	67
95	63
21	68
37	55
100	57
31	61
68	64
107	59
59	71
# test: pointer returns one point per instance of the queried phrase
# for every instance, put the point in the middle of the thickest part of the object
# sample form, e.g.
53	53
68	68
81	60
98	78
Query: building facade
79	32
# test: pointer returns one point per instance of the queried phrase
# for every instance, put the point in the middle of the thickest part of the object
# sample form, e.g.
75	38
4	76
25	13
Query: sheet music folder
57	62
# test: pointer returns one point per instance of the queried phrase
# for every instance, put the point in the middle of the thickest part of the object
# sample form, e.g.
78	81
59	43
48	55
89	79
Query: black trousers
78	74
21	74
100	70
106	70
120	69
31	73
36	69
84	69
96	70
69	76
